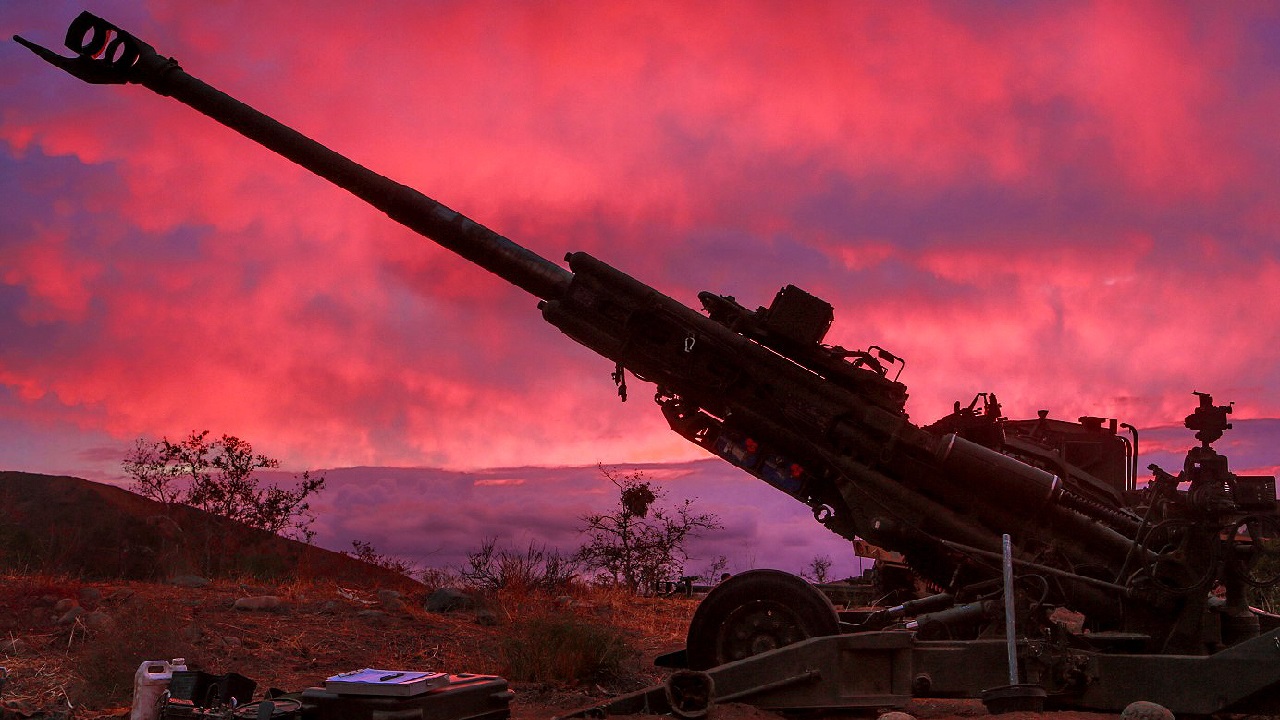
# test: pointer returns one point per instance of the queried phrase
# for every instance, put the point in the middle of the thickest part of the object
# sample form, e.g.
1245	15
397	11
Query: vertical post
1011	638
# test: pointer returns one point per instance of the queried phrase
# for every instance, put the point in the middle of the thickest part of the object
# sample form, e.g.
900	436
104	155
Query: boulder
259	603
189	581
1143	710
90	596
449	600
98	621
71	615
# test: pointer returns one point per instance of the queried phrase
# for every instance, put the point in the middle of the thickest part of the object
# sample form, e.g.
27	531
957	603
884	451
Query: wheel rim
759	627
755	612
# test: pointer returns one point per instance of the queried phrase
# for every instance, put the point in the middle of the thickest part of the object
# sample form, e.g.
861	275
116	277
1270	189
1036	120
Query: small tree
818	570
638	544
217	476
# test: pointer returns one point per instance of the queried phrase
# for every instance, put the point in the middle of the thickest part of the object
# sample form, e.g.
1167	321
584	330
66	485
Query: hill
65	525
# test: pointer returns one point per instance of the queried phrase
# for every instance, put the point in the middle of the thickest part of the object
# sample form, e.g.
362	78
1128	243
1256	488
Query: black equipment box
466	697
206	690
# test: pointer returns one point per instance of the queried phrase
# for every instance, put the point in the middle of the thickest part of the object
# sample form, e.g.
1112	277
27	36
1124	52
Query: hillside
66	525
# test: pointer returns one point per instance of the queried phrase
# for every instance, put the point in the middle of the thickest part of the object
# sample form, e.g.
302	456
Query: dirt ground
84	667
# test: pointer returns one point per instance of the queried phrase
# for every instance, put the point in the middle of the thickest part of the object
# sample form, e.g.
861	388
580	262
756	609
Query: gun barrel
107	54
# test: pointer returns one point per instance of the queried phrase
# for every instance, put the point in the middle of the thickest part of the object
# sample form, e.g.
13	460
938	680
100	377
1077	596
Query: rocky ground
71	648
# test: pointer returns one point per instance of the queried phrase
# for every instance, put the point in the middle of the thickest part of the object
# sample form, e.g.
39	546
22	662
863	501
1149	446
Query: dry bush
366	552
435	578
562	648
535	568
110	658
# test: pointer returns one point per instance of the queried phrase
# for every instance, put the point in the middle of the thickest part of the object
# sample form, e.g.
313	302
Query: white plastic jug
149	683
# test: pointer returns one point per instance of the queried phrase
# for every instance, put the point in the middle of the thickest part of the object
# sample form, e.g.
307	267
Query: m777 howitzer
1162	576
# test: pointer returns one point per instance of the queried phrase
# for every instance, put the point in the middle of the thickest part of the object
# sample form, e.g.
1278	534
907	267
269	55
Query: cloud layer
1074	206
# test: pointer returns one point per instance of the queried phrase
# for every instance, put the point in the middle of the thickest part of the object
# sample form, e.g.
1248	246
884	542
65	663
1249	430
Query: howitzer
827	426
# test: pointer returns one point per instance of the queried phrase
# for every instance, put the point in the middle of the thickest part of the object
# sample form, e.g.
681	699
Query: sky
1074	205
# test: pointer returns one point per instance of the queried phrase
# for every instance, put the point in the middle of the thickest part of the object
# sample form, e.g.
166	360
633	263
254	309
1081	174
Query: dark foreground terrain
72	647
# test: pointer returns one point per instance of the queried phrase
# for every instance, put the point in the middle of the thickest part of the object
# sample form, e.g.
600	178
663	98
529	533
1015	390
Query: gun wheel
755	612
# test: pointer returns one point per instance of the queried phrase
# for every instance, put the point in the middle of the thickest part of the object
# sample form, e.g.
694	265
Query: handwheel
755	612
1255	543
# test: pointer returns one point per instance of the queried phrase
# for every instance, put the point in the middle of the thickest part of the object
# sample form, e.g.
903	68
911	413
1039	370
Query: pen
392	676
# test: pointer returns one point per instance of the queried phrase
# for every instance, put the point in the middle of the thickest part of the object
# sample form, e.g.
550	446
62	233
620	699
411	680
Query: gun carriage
1162	575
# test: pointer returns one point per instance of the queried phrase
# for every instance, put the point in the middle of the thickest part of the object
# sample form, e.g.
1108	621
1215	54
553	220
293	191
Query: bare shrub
436	578
818	570
536	568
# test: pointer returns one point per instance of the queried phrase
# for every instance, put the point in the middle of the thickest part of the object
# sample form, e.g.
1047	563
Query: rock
64	605
376	617
896	715
385	595
189	581
90	596
120	595
1143	710
98	621
261	602
486	618
16	709
449	600
70	616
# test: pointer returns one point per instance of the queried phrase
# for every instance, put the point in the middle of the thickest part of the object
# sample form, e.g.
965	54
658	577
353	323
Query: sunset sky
1074	205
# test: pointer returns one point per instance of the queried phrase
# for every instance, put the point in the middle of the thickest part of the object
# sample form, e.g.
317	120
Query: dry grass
325	628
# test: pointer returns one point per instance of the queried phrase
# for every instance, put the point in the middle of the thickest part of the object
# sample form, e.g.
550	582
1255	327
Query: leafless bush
536	568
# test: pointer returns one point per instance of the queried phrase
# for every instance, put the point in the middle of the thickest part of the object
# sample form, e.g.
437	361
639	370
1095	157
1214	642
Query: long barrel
107	54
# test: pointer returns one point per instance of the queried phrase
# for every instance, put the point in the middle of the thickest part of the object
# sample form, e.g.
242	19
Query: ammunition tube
996	475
